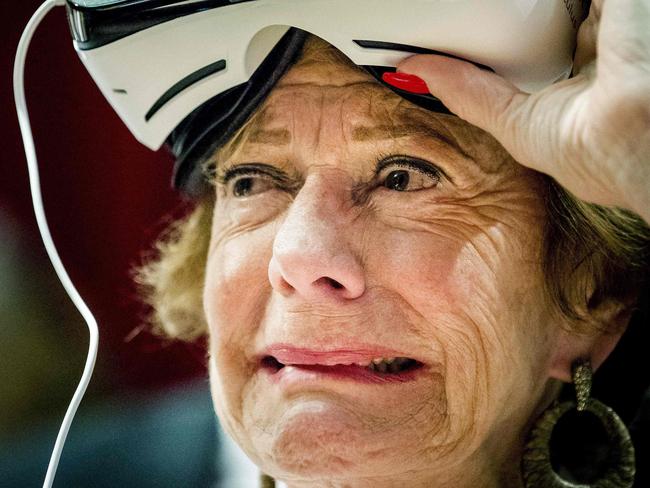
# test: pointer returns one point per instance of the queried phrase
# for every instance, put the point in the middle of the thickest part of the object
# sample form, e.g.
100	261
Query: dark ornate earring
266	481
619	471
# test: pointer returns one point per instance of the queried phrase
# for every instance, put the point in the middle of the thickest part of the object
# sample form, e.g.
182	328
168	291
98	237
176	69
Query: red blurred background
106	198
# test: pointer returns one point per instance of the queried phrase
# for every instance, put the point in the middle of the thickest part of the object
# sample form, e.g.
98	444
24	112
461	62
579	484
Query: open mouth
381	367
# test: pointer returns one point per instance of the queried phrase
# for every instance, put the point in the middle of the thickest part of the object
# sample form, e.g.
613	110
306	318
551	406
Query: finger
624	39
526	125
480	97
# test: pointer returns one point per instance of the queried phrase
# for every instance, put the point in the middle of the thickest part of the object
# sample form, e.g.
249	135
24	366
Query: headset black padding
213	123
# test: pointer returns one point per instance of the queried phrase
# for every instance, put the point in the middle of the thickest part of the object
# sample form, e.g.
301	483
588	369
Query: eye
249	185
399	173
249	180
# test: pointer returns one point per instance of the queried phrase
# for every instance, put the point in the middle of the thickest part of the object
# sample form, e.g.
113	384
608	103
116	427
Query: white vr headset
159	61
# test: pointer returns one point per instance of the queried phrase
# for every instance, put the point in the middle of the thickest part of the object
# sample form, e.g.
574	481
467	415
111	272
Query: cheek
235	293
476	288
236	278
240	250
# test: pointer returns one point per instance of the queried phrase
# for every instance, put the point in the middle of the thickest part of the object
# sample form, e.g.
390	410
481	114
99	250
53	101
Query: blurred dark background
106	198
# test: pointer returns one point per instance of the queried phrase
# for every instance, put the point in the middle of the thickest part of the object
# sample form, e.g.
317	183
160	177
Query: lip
292	355
307	366
309	374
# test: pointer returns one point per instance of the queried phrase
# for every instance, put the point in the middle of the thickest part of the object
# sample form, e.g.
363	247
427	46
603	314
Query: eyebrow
280	137
411	129
383	132
411	122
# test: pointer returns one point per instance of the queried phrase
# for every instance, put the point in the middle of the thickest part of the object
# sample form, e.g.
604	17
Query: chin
320	439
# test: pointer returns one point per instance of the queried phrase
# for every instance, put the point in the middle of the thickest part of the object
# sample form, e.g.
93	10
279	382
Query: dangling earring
266	481
536	463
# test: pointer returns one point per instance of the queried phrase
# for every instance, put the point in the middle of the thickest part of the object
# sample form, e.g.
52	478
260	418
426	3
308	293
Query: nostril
315	278
335	284
329	282
284	286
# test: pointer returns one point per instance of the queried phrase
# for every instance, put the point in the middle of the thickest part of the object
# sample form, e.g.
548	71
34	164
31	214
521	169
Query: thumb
478	96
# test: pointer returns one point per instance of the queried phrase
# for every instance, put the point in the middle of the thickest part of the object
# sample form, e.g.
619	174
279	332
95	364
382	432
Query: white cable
32	165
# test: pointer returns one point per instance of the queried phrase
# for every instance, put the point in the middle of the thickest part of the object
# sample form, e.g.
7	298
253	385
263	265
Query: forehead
325	90
354	103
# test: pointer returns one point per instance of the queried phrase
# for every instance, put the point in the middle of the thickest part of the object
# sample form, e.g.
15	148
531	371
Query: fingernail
406	82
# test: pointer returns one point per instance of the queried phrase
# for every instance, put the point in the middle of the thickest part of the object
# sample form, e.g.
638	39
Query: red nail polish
406	82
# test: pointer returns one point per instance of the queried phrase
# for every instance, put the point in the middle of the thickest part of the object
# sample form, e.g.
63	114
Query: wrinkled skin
590	132
447	271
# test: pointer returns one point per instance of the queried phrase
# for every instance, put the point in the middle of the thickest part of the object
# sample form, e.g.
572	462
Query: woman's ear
600	330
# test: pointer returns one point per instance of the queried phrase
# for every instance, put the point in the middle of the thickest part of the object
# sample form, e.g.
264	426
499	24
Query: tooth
390	365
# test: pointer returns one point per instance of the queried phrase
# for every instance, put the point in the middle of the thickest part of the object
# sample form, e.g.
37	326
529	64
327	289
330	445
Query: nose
313	256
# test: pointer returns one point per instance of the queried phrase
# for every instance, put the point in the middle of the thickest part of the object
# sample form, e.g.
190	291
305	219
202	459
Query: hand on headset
590	132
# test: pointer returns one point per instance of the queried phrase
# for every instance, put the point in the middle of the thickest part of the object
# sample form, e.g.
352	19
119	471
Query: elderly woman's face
351	226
